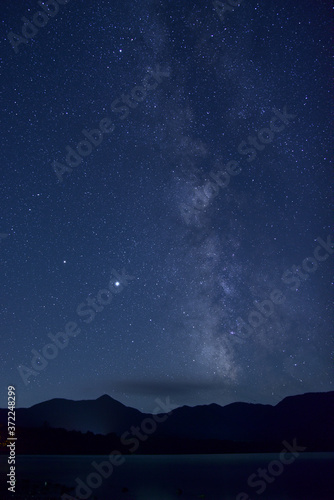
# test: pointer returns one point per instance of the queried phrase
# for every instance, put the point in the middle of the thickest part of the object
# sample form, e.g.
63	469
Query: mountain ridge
309	415
64	426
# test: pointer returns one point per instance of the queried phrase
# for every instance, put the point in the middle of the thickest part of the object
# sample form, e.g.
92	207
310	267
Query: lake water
184	477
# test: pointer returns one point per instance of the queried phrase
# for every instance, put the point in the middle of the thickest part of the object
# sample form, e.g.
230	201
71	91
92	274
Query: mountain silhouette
307	417
102	415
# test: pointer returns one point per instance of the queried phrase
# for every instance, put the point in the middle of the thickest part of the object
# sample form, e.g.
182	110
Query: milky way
210	181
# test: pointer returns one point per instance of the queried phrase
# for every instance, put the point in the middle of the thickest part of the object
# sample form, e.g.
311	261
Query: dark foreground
185	477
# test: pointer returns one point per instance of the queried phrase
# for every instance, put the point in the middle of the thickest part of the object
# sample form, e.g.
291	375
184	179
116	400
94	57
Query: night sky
122	241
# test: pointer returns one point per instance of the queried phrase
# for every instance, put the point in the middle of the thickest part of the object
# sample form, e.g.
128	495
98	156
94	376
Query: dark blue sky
183	96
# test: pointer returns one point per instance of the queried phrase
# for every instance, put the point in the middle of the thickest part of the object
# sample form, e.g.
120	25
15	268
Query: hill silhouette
96	426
